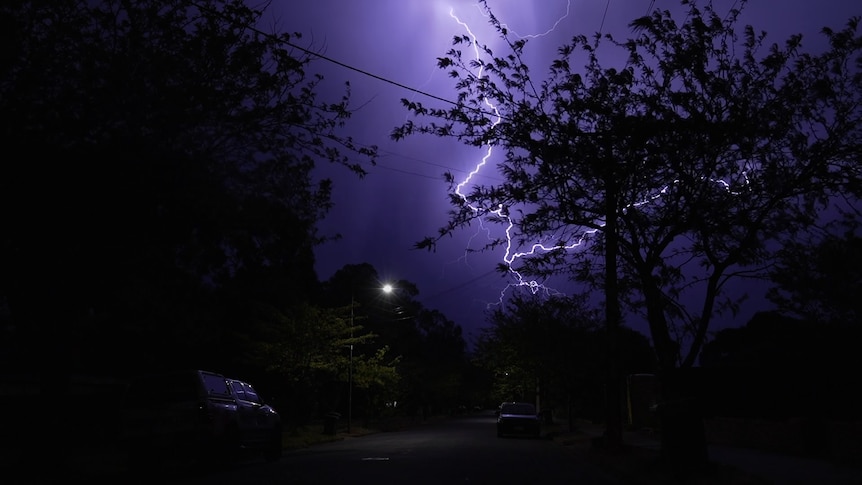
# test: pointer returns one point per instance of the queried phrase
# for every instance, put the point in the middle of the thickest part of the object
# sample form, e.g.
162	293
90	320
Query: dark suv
195	414
182	414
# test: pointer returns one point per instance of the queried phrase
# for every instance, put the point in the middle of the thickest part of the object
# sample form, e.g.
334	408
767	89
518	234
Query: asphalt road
457	451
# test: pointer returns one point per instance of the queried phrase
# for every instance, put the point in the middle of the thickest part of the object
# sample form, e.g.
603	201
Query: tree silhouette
426	349
781	367
156	186
556	348
685	166
159	151
821	280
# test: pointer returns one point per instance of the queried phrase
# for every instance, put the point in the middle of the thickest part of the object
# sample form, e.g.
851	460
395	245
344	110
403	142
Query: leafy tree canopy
705	148
156	150
560	343
820	280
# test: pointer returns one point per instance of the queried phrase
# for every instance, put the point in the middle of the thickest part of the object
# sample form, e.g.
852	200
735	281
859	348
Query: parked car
197	415
518	419
189	414
259	424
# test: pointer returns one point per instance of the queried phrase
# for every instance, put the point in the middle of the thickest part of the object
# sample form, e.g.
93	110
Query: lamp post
350	373
386	289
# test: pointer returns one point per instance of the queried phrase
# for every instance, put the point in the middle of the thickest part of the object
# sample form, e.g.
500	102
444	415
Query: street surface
463	450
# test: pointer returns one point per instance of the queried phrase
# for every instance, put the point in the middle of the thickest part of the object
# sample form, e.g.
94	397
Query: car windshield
518	408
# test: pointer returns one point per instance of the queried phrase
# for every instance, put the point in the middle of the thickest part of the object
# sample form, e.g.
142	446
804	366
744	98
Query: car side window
216	384
251	394
238	390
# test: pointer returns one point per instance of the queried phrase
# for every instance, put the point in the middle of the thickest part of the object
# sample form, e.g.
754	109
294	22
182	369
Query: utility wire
462	285
380	78
347	66
366	73
602	25
361	71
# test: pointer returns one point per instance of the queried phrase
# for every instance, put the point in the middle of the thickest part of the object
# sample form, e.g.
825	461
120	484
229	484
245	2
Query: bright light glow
387	288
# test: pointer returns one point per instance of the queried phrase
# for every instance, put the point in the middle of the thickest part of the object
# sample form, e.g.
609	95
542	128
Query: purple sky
404	198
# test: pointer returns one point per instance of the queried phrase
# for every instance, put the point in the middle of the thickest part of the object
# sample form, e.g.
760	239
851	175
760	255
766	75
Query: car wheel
228	447
274	449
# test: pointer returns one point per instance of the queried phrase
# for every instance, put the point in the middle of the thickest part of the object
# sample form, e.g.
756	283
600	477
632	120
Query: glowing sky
404	198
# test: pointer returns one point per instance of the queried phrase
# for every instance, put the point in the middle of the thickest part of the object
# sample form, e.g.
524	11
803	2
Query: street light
387	288
350	373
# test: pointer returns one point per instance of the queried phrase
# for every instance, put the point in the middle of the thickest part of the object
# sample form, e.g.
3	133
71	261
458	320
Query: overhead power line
355	69
366	73
602	25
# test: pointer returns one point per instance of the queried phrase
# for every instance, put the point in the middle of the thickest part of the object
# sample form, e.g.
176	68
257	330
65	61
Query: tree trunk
683	438
613	437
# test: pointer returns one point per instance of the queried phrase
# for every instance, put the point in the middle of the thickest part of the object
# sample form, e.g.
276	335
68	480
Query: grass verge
310	435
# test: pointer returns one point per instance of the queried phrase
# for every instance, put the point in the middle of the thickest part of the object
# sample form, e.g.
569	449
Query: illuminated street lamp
387	288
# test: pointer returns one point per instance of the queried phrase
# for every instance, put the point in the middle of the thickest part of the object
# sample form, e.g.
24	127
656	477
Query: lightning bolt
530	36
511	255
